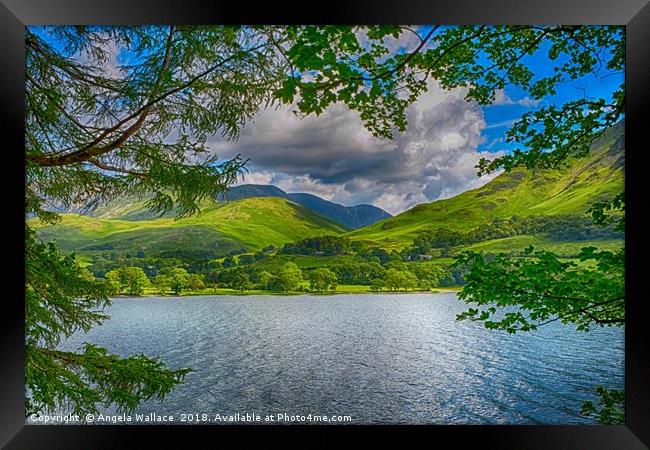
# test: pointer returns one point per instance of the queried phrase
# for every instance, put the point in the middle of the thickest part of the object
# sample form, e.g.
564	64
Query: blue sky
498	117
333	156
501	115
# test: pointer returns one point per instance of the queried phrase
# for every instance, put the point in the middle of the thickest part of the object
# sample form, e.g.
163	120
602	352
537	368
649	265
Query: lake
379	358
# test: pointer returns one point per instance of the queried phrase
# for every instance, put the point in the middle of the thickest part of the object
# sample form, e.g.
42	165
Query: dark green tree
263	280
377	284
289	277
59	302
410	280
229	261
395	279
195	282
610	409
127	280
179	279
322	279
242	282
246	260
162	283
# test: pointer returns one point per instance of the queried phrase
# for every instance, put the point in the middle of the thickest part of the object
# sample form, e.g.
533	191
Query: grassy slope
568	249
252	223
257	222
543	192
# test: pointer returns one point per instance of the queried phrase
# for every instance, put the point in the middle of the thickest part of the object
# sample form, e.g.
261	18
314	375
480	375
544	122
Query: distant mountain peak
350	216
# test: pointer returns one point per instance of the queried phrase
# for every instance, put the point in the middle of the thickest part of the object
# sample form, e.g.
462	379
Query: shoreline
454	289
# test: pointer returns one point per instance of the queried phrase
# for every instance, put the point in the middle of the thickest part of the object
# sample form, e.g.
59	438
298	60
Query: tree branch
91	150
110	168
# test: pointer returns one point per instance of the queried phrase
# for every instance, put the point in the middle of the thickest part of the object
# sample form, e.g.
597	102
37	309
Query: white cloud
501	98
110	67
256	177
333	155
406	42
503	123
304	183
493	142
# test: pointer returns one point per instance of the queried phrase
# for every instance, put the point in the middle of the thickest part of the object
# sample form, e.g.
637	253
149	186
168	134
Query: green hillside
570	190
249	224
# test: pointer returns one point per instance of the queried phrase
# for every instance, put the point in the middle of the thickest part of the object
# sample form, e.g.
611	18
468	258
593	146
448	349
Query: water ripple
379	358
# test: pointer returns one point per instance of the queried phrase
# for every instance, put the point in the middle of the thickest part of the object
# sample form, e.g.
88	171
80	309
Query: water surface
380	358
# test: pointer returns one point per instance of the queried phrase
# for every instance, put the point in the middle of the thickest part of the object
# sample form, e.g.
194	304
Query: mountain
569	190
249	224
256	216
350	216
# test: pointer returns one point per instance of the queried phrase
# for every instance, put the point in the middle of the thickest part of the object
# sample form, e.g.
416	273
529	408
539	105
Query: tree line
559	227
394	276
370	261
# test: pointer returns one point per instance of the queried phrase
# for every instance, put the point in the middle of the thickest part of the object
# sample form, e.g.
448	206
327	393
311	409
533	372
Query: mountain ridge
253	223
353	217
247	224
521	192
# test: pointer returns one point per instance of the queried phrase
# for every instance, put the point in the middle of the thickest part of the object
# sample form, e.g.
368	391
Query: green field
568	249
250	224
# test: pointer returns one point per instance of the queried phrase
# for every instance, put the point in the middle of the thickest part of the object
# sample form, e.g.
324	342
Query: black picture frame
635	14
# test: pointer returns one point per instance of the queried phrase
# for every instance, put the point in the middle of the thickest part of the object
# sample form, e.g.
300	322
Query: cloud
110	66
254	177
333	156
407	41
501	98
495	141
500	124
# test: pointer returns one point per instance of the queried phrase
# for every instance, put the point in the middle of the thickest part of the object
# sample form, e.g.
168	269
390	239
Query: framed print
383	218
